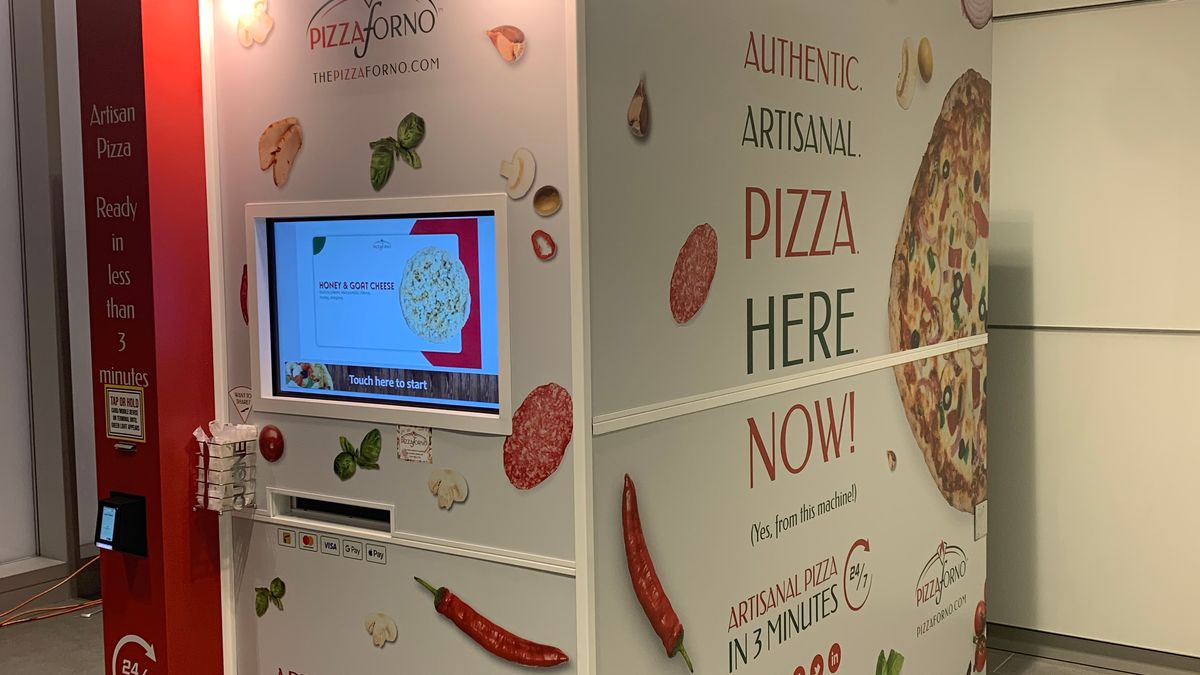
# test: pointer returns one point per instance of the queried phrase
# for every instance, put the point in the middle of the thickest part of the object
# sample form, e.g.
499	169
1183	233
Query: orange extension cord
40	613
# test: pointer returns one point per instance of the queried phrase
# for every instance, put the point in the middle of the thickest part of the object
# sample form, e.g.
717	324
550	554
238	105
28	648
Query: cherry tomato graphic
980	655
835	657
270	443
980	617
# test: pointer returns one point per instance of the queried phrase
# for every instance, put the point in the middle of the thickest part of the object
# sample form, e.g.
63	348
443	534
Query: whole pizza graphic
939	293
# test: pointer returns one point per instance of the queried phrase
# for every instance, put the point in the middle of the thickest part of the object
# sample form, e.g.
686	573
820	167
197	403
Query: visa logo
331	545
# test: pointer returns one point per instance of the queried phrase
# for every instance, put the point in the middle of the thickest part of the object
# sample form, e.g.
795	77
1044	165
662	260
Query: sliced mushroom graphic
519	173
254	26
278	146
382	629
509	41
448	486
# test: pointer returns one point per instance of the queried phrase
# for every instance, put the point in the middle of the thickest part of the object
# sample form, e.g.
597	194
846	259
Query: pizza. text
812	227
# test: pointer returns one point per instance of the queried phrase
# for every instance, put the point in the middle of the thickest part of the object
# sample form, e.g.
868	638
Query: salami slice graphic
541	431
694	271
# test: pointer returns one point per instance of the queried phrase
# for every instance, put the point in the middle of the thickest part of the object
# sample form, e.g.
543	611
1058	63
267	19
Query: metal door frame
39	172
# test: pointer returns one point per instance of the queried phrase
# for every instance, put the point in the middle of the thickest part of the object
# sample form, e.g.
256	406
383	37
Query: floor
72	645
66	645
1004	663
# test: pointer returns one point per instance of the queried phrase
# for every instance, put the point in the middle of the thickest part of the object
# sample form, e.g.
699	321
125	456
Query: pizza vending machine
602	337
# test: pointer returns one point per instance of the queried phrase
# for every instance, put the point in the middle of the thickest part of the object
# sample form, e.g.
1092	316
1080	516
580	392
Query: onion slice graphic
978	12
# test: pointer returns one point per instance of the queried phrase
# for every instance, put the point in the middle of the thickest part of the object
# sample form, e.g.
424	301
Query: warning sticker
125	412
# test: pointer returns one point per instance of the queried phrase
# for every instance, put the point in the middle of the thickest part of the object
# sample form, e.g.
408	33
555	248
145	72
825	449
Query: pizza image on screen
939	293
435	294
308	375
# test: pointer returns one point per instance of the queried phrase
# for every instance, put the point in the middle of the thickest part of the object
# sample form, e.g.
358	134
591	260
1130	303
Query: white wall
18	519
1093	477
76	246
1016	7
1095	234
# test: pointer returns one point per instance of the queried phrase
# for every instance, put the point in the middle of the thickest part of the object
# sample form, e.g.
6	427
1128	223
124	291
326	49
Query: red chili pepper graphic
245	295
646	585
490	636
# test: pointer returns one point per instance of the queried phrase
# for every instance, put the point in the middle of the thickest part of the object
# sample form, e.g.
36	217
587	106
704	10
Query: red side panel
144	193
183	326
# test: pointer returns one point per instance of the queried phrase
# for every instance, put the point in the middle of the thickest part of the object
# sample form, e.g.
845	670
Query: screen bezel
263	335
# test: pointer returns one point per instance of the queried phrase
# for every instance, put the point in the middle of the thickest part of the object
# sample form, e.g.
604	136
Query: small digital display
393	309
108	524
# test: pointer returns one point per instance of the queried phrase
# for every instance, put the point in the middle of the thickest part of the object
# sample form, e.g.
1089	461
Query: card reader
121	524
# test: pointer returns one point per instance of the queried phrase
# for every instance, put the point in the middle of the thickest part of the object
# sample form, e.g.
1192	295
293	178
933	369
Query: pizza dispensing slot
321	509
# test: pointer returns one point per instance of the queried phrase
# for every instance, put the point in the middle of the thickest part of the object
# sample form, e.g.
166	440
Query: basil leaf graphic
410	157
372	447
411	131
318	245
277	602
261	598
383	160
384	143
278	589
344	466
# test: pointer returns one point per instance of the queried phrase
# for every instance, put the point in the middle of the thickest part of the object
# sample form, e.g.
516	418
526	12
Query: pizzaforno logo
357	24
947	567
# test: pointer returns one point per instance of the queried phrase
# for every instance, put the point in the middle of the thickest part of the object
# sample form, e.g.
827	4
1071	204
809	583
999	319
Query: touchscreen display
397	309
108	523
